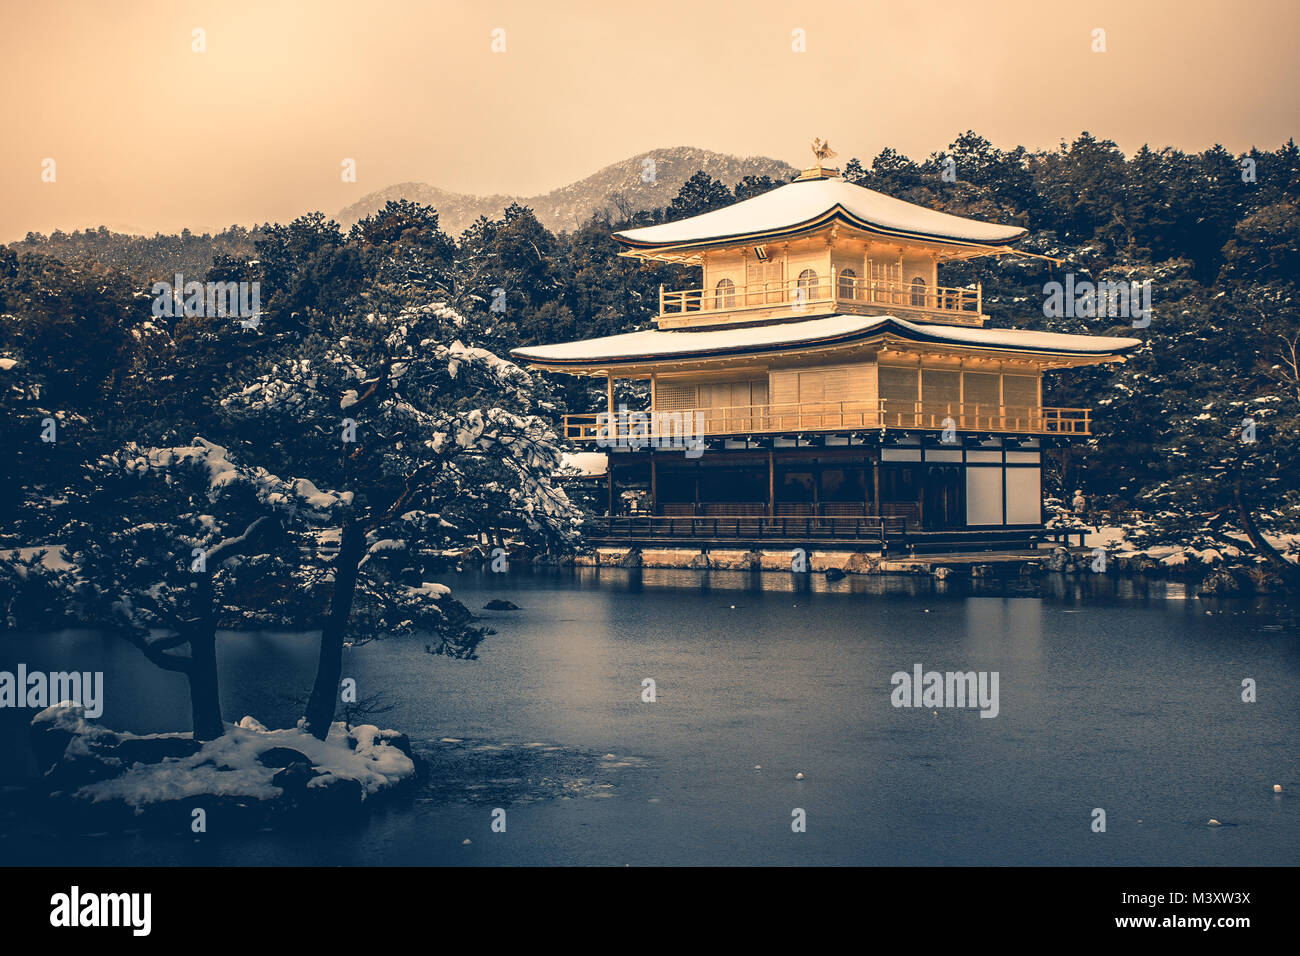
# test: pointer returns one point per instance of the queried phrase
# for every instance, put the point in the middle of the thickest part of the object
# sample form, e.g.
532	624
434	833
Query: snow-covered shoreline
250	775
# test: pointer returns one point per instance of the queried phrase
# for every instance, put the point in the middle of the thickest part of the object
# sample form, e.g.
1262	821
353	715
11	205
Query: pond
1111	694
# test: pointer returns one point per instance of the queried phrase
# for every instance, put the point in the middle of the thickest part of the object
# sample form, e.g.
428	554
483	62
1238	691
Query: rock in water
496	604
1220	582
834	574
860	563
1059	559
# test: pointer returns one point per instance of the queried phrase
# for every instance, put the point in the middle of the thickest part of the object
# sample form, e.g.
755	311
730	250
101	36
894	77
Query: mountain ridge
645	181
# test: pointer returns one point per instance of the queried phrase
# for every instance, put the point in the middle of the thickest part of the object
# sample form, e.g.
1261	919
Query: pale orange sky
148	135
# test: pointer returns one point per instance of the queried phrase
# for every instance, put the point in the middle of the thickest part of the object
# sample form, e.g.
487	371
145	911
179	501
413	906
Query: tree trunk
329	667
205	700
1261	544
205	697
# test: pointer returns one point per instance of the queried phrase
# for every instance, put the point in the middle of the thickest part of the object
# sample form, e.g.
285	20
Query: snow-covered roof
633	347
805	203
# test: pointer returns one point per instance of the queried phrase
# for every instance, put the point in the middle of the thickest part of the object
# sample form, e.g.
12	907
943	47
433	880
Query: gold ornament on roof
822	150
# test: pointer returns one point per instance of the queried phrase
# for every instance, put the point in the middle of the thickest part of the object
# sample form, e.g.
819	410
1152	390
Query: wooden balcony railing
647	426
877	528
836	292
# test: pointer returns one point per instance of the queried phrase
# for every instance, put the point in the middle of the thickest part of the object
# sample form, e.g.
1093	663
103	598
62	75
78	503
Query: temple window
725	295
918	292
1020	391
808	284
899	387
848	283
940	391
982	391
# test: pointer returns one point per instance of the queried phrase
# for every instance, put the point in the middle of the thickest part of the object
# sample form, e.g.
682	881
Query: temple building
831	386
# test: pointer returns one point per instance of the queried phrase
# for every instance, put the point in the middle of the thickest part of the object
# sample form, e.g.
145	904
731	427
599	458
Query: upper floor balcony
806	417
811	294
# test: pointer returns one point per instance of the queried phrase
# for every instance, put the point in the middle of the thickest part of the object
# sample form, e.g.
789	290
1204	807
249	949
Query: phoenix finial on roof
822	150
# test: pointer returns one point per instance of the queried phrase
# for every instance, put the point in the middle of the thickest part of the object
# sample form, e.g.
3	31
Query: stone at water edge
293	779
860	563
282	757
496	604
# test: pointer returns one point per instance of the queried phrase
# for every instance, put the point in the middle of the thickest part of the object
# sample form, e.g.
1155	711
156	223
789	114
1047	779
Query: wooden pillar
613	433
771	483
654	485
875	480
924	471
866	491
655	426
697	487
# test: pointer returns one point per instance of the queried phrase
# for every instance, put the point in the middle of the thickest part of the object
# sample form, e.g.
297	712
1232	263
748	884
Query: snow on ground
589	464
229	766
1112	538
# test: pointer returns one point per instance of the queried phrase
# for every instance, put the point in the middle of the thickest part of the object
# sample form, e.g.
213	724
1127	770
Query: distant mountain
569	206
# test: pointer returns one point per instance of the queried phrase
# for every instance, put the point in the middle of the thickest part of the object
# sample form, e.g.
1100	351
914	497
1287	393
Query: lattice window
940	390
898	385
674	398
1020	391
982	389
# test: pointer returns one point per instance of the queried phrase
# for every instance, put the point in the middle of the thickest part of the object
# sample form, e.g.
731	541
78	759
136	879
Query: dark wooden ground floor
868	491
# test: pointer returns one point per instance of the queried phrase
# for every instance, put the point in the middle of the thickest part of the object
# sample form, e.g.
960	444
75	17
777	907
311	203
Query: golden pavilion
829	385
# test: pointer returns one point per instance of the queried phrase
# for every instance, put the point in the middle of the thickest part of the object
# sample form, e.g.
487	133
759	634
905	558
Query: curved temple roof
632	348
803	204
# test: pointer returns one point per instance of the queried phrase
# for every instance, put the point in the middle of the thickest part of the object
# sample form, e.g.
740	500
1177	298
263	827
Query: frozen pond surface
1127	699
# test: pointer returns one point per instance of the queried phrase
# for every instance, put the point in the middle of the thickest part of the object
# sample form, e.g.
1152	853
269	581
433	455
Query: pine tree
406	425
